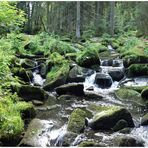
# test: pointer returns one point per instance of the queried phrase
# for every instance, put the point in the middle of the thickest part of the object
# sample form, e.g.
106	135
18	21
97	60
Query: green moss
88	144
137	70
88	57
129	95
26	109
136	88
76	120
11	123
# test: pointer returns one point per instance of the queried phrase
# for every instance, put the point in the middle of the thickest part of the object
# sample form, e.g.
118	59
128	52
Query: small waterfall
79	139
37	79
110	48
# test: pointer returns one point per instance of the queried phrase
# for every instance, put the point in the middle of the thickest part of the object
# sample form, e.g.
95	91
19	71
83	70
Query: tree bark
112	14
78	23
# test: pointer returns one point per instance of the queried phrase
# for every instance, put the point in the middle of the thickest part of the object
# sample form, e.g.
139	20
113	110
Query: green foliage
10	17
11	122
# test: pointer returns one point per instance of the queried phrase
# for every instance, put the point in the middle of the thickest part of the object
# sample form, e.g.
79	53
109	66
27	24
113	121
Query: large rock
43	70
134	59
29	93
144	120
78	74
129	94
116	75
87	58
25	75
56	77
137	70
128	141
90	144
76	122
103	80
27	63
108	116
71	88
37	134
144	93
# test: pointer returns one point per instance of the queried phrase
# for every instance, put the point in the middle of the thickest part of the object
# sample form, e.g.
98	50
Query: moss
137	70
76	120
136	88
88	57
105	54
26	109
89	144
11	123
144	94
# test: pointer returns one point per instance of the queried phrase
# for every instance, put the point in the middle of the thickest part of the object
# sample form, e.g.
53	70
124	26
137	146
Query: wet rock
144	94
129	94
103	80
96	68
126	130
69	138
71	88
90	144
93	95
144	120
116	75
78	74
108	116
56	77
43	70
134	59
76	122
25	75
128	142
137	70
69	97
87	58
120	125
37	102
29	93
37	133
27	63
107	62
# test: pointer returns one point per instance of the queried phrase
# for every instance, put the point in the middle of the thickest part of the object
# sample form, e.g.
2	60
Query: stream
57	112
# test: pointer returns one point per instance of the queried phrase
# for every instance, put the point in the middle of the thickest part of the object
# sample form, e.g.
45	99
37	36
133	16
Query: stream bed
55	113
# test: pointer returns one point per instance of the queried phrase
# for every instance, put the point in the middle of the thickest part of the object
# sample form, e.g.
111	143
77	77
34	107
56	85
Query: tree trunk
78	23
112	13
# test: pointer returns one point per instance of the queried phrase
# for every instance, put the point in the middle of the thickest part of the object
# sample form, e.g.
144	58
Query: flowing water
60	112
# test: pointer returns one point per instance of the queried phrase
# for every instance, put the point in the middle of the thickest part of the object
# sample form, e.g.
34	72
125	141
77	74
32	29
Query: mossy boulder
137	70
144	94
56	76
129	95
127	141
27	63
144	120
26	109
108	116
87	58
71	88
43	70
78	74
76	122
136	88
134	59
25	75
29	93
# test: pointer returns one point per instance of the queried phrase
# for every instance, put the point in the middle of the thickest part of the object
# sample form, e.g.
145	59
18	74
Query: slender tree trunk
78	23
112	13
48	17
